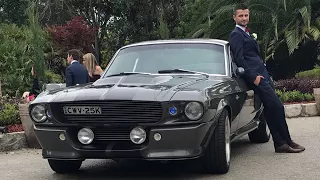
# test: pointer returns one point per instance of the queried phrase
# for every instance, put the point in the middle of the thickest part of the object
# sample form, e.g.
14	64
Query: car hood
133	87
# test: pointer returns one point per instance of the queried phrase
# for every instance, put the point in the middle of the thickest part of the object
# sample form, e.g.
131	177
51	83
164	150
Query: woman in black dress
35	90
94	70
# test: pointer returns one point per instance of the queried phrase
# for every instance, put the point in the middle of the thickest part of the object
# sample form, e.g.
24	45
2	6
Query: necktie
247	29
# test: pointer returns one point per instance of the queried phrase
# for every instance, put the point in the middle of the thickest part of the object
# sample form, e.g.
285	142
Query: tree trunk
97	48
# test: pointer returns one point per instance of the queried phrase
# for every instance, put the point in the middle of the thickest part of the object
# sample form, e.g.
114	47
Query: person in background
76	73
94	70
35	90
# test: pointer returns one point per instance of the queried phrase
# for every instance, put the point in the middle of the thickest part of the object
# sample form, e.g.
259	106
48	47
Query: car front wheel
217	156
65	166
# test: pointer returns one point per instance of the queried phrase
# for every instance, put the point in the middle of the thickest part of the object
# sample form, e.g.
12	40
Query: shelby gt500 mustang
157	100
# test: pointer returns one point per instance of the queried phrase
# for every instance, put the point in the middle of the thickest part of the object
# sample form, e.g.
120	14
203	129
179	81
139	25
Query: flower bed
300	88
303	85
15	128
9	114
294	97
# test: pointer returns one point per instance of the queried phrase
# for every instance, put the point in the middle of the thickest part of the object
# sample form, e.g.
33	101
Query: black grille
112	134
117	112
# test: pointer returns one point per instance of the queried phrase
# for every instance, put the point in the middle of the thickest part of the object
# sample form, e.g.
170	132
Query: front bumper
182	142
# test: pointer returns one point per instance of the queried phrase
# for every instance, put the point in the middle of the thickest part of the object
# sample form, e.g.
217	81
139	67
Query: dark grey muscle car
157	100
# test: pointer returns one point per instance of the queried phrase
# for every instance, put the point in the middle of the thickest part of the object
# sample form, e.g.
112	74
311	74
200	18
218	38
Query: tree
75	34
38	39
13	11
53	12
97	13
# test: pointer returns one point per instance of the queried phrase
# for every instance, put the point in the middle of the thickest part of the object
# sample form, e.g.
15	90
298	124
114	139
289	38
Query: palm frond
198	33
225	9
317	22
292	39
306	16
314	32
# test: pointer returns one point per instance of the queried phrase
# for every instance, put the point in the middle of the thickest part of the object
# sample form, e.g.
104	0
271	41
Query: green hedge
294	96
9	115
313	73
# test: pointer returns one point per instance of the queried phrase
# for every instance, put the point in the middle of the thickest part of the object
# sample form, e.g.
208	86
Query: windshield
207	58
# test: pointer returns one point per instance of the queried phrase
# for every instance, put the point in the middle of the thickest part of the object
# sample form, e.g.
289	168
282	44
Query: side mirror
240	71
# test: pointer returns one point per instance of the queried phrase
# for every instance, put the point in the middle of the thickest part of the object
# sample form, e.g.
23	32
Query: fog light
62	137
85	136
138	135
157	136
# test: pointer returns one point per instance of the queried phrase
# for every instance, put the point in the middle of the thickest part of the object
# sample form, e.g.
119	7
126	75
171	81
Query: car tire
216	159
65	166
262	133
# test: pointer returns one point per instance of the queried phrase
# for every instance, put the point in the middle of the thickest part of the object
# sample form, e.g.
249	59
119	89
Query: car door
245	99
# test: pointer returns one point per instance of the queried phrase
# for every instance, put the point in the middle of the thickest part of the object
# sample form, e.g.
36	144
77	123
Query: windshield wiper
182	71
127	74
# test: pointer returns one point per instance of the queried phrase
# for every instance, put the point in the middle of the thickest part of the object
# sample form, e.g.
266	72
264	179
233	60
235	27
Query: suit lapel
250	37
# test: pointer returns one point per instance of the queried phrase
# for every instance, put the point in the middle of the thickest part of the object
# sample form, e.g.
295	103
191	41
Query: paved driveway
248	162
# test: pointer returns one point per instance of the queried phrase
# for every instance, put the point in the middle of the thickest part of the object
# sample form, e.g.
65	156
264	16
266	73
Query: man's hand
258	79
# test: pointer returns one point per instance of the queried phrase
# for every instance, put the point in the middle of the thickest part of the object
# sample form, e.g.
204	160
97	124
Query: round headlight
85	136
138	135
38	113
193	110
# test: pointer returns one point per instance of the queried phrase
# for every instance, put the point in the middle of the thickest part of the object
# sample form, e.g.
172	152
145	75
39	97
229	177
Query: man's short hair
241	6
74	53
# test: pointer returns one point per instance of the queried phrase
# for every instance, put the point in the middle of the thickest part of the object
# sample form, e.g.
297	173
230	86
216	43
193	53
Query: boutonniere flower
255	36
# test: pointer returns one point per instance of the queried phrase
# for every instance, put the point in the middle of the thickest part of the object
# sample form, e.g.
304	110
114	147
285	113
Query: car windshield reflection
197	57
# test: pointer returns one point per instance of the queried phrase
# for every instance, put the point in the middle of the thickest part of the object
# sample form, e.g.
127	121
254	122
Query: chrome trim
226	61
209	41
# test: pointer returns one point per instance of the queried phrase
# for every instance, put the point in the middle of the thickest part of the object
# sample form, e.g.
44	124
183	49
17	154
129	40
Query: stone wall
13	141
301	110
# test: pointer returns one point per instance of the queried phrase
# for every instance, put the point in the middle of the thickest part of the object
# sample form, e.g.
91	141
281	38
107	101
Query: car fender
223	104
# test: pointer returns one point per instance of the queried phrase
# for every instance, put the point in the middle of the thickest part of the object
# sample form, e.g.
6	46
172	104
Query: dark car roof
211	41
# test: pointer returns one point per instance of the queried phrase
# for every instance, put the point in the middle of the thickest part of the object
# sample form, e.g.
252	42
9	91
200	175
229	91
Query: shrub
283	96
313	74
20	48
9	110
304	85
308	97
15	60
294	96
51	77
9	115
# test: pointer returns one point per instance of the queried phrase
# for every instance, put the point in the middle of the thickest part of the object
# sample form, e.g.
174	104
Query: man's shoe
296	146
287	149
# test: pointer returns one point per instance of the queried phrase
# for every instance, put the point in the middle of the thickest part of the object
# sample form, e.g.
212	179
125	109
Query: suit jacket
76	73
245	52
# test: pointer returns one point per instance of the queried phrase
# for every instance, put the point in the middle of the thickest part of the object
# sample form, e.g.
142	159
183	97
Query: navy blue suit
245	52
76	73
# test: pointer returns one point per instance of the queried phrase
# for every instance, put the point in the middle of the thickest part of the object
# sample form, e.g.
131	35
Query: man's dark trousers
245	51
274	112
